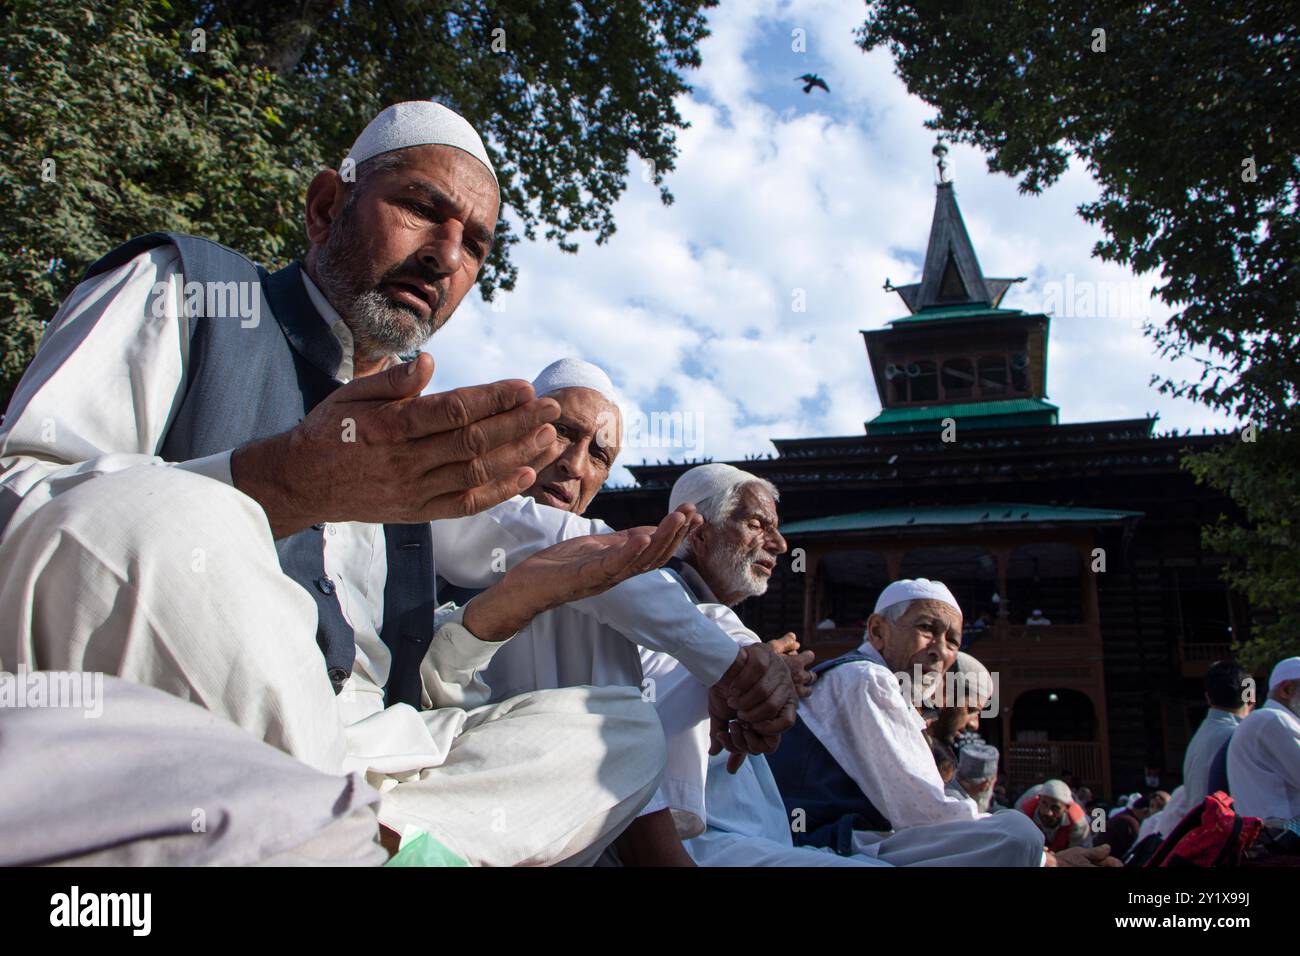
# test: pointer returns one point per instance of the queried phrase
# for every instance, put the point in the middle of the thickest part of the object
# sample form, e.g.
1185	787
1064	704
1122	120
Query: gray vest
247	383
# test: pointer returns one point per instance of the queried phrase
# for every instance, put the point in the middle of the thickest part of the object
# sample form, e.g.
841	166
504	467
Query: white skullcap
704	481
1286	669
573	373
916	589
1059	790
977	762
979	680
418	123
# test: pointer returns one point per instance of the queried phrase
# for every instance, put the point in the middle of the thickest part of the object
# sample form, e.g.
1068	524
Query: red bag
1212	834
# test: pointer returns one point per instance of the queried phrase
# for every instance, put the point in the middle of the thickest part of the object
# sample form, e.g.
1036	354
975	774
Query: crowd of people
357	623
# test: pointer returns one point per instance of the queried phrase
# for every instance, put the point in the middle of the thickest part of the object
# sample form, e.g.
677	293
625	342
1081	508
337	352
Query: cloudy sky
782	197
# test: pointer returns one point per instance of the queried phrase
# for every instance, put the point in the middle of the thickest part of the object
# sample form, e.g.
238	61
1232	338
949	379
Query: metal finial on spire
941	165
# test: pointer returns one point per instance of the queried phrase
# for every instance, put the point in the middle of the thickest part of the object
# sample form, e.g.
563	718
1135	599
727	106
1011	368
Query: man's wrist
258	470
488	620
737	663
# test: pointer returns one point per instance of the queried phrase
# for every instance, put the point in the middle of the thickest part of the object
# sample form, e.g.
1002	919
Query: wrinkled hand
572	570
1091	857
376	450
788	647
751	706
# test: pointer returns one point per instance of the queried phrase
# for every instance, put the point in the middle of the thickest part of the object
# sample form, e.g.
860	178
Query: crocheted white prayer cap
704	481
916	589
977	762
573	373
1058	789
418	123
975	688
1286	669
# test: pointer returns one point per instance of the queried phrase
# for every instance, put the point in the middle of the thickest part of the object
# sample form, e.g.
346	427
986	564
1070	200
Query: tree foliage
211	117
1187	113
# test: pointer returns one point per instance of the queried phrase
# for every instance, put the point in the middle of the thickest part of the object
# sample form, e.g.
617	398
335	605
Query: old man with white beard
728	559
857	762
597	641
235	508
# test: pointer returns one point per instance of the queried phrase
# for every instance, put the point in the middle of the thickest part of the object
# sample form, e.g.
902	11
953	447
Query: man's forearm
258	470
492	616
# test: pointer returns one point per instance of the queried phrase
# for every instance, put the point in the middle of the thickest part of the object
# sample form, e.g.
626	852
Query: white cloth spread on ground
862	717
1264	763
171	785
101	553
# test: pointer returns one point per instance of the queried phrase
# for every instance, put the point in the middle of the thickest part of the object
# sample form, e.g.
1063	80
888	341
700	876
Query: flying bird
810	80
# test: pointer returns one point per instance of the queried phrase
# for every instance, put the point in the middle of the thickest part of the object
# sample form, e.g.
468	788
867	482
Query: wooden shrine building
967	476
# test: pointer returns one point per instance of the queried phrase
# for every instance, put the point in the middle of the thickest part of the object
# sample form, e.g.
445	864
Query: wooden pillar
811	597
1003	556
894	563
1088	584
1092	618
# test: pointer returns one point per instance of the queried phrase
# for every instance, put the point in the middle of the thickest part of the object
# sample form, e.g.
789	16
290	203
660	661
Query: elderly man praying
237	509
727	559
599	640
857	763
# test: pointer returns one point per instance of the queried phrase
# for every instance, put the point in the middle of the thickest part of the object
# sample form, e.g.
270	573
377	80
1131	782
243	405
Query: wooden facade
1096	521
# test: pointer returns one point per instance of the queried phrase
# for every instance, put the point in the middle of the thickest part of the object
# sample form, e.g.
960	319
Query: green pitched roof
988	513
1005	413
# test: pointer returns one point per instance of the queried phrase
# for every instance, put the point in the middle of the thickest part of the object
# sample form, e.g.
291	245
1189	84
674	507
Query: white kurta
595	641
861	716
76	416
650	610
1215	731
166	575
1264	763
746	818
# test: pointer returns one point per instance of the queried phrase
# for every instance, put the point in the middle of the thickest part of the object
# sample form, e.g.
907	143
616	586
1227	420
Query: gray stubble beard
379	326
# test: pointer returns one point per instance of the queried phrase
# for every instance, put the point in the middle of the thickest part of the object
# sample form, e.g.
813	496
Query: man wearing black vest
857	765
219	481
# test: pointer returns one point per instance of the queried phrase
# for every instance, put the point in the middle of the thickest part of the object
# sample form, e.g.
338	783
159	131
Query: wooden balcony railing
1204	652
1030	763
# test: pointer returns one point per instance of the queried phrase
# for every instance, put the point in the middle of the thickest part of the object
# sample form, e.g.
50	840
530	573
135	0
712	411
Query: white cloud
689	306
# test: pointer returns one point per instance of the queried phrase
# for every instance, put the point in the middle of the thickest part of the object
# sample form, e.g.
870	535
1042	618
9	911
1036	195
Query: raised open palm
572	570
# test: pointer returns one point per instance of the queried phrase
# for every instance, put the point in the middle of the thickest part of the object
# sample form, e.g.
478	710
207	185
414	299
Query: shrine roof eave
990	515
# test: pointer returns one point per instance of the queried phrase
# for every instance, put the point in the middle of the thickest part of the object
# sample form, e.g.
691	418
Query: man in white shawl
597	641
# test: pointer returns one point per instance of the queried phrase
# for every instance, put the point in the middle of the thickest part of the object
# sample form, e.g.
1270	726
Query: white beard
737	572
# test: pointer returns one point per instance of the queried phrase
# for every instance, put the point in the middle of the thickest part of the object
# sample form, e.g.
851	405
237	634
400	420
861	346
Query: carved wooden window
958	378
